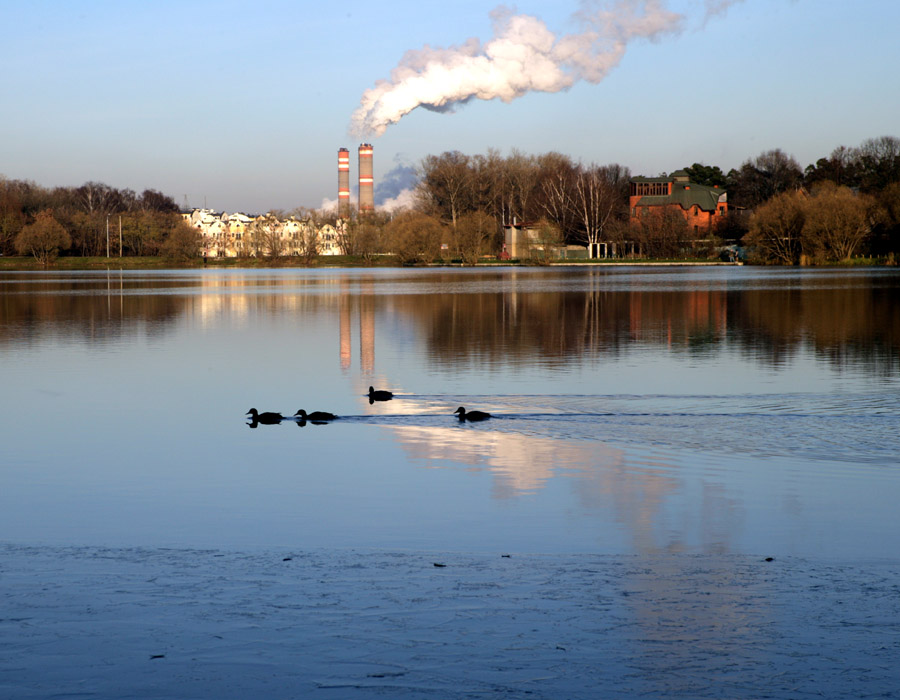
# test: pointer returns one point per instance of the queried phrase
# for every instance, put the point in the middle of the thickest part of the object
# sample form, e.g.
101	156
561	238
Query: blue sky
242	106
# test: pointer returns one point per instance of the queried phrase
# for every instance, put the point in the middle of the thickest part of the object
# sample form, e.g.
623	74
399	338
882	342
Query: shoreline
22	264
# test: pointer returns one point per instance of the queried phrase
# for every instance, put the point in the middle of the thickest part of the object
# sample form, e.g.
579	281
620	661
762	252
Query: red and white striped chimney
366	180
343	182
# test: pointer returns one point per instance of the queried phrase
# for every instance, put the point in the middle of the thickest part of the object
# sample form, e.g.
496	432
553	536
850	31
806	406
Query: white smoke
405	199
402	176
328	205
397	189
523	56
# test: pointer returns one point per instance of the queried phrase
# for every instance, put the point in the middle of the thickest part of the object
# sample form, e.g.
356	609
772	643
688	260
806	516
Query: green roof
687	194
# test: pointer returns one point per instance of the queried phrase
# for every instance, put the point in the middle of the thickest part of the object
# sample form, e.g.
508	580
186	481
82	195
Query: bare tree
474	230
757	181
265	237
445	181
557	178
775	229
308	243
837	222
879	163
521	180
663	234
596	199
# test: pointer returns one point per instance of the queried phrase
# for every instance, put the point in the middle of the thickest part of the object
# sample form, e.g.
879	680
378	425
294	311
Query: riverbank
24	264
28	264
182	623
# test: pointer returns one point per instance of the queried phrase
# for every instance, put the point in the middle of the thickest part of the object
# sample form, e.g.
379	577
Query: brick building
703	207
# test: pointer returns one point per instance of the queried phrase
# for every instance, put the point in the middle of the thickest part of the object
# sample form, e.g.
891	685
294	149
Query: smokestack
343	182
366	180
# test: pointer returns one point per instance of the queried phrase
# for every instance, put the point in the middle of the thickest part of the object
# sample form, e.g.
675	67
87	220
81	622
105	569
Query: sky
241	106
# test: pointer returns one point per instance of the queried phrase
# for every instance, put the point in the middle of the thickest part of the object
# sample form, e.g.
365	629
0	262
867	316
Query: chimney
366	180
343	182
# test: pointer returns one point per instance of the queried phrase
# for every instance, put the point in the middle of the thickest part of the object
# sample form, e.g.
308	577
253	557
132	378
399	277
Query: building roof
687	194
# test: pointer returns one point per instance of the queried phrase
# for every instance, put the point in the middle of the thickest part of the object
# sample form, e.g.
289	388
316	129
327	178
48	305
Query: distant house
233	235
702	207
519	239
523	240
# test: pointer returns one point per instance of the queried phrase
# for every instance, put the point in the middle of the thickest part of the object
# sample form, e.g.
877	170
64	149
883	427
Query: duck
266	418
379	395
471	415
315	415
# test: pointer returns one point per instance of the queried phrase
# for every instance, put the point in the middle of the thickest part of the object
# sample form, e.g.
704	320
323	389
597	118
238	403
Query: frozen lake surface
162	623
657	434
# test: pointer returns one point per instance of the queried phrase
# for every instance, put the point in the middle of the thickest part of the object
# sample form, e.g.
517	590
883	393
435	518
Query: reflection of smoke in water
523	56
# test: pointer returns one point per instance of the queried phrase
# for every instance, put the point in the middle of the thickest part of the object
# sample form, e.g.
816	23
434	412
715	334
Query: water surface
637	410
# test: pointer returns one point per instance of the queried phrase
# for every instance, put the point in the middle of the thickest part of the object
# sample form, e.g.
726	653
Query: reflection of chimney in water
345	319
367	329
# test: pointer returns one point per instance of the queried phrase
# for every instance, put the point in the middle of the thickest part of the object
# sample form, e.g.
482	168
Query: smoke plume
396	190
523	56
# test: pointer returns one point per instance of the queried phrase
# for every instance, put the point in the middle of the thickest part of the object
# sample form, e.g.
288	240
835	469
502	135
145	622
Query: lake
637	410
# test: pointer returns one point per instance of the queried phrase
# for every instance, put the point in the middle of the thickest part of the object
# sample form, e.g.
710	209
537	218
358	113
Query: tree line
91	220
844	205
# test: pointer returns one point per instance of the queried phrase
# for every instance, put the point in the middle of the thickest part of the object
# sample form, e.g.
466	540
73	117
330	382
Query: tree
709	175
757	181
265	236
841	168
557	178
360	237
521	179
153	200
414	237
445	184
879	163
12	215
596	199
837	222
545	244
886	237
307	243
473	232
144	232
663	233
776	227
183	244
488	185
43	238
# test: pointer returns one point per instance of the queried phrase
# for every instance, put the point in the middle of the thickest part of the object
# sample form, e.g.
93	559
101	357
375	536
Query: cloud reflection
644	494
520	464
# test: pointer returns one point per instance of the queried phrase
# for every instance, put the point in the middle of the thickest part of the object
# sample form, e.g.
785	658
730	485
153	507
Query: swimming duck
266	418
471	415
315	415
379	395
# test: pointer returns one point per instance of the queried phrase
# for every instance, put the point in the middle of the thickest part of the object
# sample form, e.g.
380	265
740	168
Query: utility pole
120	235
107	235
